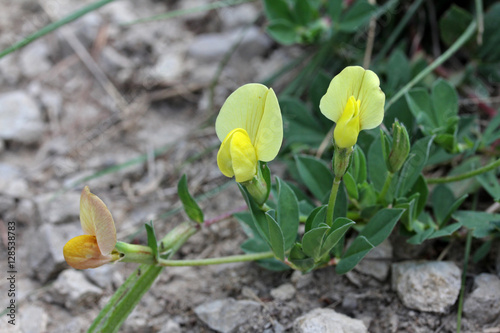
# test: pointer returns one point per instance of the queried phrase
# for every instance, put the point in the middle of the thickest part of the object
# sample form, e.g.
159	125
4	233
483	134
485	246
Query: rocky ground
124	110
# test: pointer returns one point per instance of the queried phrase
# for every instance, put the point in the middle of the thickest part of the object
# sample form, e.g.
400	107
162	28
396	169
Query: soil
152	124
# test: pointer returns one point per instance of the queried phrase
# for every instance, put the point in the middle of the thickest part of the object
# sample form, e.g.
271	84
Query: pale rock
254	43
100	276
12	183
285	292
33	319
237	16
87	27
171	327
225	315
377	262
52	101
327	321
20	118
112	61
301	280
34	59
10	71
483	304
26	212
169	68
74	291
6	204
44	246
430	286
61	208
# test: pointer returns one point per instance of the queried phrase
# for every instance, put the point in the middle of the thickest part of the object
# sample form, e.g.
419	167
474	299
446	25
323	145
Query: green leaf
489	51
444	101
377	169
380	225
398	71
453	24
490	183
317	216
284	32
315	175
422	189
152	241
288	213
300	259
492	131
453	208
303	12
442	199
300	126
357	16
482	251
334	9
350	185
479	222
420	237
312	240
358	249
413	166
276	240
341	203
446	231
277	10
420	104
191	208
358	165
336	232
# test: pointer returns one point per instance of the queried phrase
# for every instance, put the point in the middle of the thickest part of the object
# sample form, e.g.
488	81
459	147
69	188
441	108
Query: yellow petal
364	86
237	156
82	252
96	220
347	128
372	99
254	108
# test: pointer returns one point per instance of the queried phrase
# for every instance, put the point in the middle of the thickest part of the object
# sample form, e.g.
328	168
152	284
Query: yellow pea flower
250	128
95	247
355	102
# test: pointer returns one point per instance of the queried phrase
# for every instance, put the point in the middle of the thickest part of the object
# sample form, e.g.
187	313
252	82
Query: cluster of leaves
441	136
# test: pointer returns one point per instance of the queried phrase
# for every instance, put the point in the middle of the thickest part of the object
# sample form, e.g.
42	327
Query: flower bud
82	252
400	147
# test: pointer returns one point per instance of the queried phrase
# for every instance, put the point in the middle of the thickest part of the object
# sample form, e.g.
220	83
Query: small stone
209	47
58	209
171	327
378	262
9	69
483	304
100	276
44	246
168	69
301	280
225	315
20	118
33	319
285	292
238	16
112	61
327	321
6	204
12	183
430	286
74	291
26	211
254	43
34	59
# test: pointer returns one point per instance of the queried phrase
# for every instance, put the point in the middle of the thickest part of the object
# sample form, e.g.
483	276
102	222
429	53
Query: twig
370	39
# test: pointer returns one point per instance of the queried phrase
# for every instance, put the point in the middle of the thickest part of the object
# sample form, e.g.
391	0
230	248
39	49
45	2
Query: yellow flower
355	102
250	128
95	247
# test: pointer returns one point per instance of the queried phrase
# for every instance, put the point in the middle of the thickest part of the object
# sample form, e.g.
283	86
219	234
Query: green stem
331	202
216	261
55	25
387	184
493	165
454	48
135	253
464	274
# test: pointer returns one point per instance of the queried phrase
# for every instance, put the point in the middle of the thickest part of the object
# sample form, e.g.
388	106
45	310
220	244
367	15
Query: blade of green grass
54	26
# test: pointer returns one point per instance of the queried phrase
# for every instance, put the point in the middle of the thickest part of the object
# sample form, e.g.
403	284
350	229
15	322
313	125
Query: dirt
94	121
